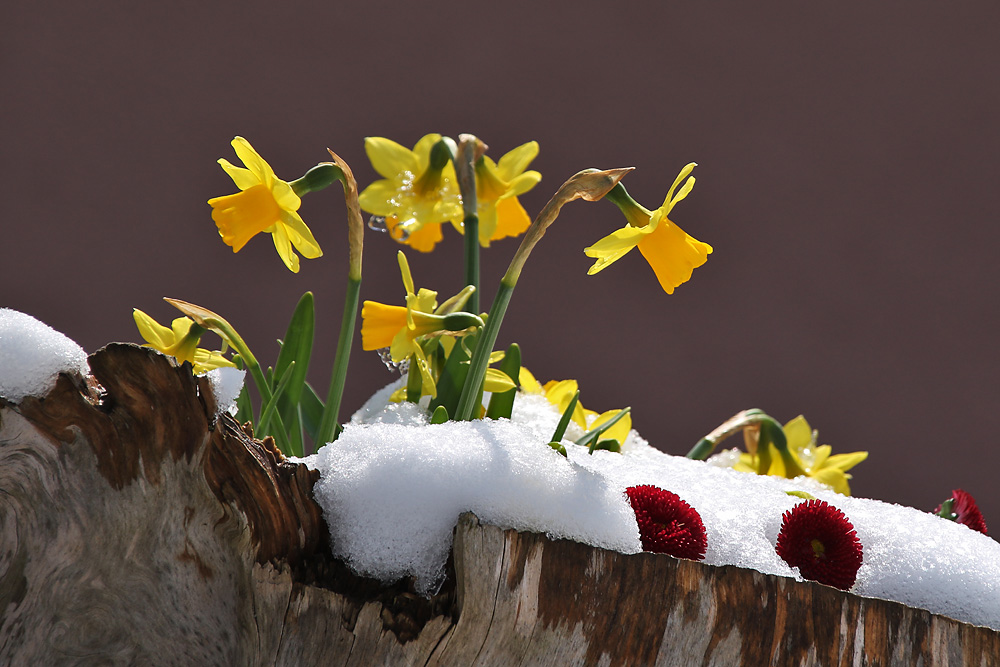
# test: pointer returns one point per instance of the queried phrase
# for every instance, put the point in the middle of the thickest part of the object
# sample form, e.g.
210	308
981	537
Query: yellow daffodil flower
498	185
399	328
560	392
413	196
265	203
179	341
815	460
672	253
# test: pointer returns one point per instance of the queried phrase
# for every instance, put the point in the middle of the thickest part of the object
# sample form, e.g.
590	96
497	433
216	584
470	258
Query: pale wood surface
135	529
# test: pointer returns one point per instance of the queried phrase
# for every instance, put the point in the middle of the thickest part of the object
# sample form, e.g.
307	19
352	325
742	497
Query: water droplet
386	356
378	223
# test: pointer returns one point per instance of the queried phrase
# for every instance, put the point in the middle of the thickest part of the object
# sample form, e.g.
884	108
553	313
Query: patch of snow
32	355
393	486
226	383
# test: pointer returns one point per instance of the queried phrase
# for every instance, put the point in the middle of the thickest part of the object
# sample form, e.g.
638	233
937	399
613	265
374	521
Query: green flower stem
589	185
214	322
471	226
771	432
633	210
704	447
481	357
466	172
331	411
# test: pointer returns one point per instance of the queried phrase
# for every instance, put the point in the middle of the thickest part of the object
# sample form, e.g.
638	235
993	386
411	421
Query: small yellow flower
560	393
672	253
179	341
265	203
412	196
497	188
815	460
399	328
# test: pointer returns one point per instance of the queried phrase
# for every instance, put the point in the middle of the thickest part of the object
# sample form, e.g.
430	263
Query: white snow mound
32	355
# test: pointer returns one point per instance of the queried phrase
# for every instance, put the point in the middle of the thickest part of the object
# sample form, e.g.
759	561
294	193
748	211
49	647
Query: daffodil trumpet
589	185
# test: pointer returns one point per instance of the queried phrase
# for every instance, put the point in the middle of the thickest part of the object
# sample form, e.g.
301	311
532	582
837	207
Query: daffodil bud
319	177
461	321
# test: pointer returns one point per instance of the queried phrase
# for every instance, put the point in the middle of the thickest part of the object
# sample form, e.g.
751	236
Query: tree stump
136	528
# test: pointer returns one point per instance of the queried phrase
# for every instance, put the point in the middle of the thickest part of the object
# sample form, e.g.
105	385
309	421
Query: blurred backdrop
846	182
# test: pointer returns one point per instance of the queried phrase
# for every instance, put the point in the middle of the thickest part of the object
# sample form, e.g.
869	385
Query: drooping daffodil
400	328
418	190
671	252
560	393
179	341
265	203
815	460
498	185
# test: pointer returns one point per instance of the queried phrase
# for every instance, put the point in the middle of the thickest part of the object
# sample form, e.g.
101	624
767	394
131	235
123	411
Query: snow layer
226	384
32	355
392	490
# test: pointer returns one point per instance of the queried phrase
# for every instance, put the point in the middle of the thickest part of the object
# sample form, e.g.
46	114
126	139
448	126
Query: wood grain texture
136	528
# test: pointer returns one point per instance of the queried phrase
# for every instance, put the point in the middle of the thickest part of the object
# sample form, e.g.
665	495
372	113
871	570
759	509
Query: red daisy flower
962	508
667	524
818	539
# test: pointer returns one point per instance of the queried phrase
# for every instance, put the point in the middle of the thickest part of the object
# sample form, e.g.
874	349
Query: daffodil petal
401	346
377	197
820	456
496	381
487	222
284	247
617	432
253	161
834	478
300	235
511	219
514	162
285	196
798	433
206	360
425	238
154	333
673	254
845	462
528	382
685	191
427	385
426	300
243	178
614	246
523	183
389	158
684	173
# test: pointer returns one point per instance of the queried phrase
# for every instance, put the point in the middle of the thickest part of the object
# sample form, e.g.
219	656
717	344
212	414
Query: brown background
847	175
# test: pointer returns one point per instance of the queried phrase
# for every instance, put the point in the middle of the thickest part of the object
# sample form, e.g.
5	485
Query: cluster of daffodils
446	349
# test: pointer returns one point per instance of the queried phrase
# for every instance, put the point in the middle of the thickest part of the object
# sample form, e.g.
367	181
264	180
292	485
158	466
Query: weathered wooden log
136	528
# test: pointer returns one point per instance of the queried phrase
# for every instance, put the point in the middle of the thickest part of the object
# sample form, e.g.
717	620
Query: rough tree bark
137	529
